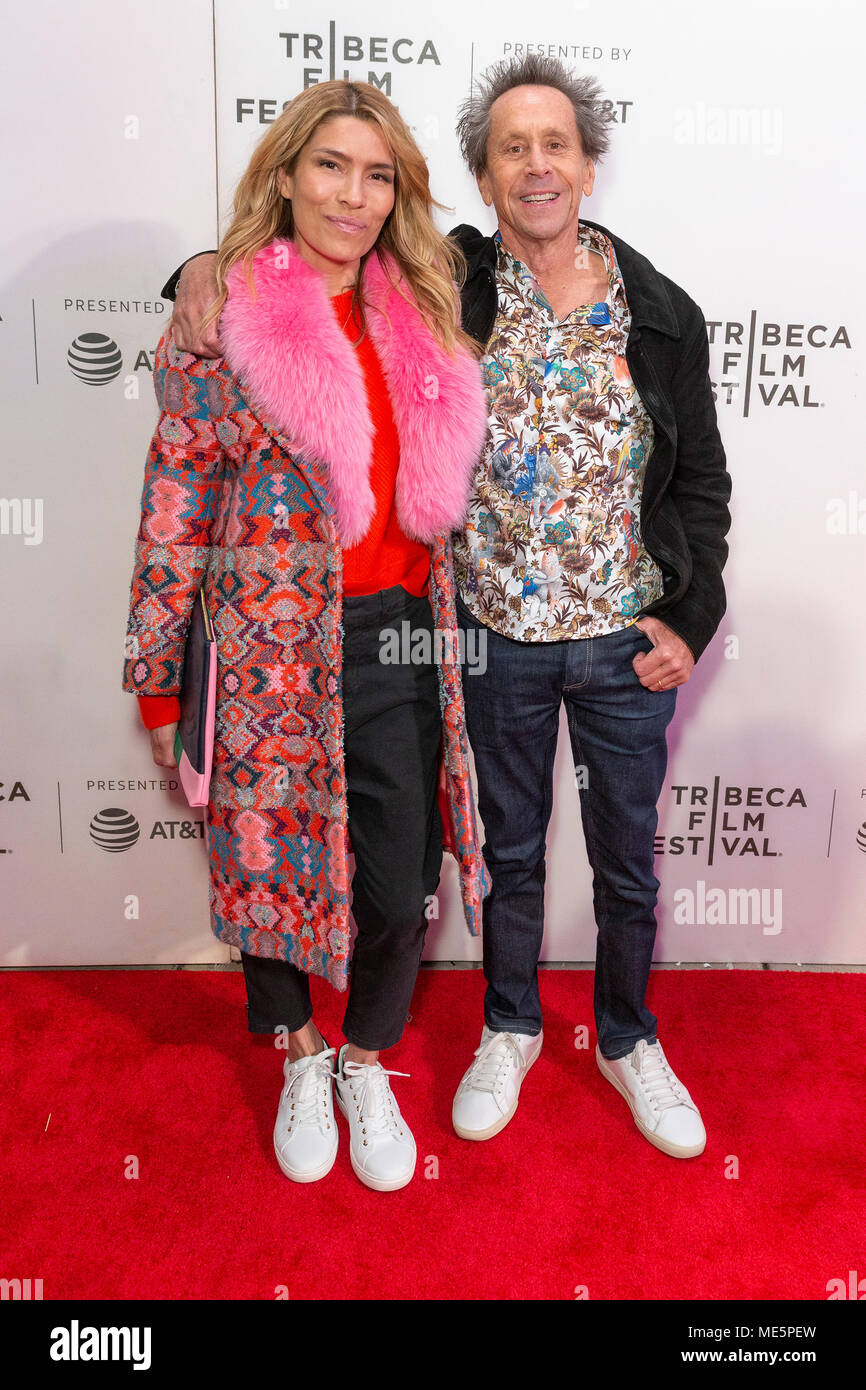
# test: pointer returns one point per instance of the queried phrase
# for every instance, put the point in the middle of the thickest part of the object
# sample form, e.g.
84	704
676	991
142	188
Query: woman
309	480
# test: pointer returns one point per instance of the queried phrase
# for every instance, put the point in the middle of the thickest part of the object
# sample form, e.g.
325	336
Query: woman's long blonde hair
429	261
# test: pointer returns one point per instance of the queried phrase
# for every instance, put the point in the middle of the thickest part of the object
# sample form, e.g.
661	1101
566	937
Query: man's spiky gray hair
584	93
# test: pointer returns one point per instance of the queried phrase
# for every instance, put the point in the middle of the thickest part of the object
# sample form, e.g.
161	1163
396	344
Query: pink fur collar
301	376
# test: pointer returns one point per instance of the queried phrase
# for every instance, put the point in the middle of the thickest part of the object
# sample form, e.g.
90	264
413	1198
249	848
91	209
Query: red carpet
159	1065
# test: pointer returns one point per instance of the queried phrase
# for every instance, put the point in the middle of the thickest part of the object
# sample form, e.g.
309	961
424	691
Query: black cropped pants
391	740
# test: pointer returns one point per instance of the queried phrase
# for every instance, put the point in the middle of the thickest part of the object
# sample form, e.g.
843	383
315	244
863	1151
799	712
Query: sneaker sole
313	1176
666	1145
377	1184
481	1134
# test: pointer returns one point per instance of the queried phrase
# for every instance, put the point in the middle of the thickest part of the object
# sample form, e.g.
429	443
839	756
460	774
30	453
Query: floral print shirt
552	547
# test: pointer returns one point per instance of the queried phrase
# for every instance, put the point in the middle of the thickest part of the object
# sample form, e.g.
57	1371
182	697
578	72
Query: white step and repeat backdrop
736	166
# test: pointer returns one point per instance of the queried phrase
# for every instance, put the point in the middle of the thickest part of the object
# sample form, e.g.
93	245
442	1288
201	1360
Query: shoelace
304	1090
376	1101
491	1059
658	1080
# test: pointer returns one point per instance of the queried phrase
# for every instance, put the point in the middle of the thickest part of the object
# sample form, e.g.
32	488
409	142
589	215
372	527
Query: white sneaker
663	1110
487	1096
305	1133
381	1144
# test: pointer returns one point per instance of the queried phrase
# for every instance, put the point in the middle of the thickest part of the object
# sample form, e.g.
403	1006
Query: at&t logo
114	830
94	358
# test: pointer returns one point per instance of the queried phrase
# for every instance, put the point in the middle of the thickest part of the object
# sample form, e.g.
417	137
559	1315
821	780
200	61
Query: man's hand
196	291
669	663
162	745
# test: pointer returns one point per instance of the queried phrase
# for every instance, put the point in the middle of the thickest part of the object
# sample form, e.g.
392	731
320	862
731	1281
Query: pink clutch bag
193	742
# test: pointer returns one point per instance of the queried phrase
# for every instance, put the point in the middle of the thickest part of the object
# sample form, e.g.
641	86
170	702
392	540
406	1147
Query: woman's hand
162	745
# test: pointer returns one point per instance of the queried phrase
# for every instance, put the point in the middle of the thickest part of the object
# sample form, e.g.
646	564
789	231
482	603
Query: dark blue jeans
617	731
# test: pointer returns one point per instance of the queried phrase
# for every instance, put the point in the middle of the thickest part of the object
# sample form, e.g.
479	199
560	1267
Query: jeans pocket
640	643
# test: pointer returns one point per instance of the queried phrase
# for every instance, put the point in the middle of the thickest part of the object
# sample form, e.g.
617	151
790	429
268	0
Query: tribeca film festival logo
9	792
767	364
327	54
729	821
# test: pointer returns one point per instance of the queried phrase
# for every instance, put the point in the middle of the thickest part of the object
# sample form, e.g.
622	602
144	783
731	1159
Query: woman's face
341	191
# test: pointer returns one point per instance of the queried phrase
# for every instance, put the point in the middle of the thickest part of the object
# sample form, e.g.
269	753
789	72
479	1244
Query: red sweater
386	556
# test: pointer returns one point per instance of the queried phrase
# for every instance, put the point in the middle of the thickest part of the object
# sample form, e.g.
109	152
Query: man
591	559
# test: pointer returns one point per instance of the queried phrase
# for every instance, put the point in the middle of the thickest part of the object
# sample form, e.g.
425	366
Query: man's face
536	170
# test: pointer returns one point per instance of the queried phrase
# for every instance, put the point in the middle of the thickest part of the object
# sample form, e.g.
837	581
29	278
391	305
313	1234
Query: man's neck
553	259
566	277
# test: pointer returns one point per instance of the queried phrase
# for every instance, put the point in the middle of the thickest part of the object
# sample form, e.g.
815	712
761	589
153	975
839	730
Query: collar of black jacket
645	288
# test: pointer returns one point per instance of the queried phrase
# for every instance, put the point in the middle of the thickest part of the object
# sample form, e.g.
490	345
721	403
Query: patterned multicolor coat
257	475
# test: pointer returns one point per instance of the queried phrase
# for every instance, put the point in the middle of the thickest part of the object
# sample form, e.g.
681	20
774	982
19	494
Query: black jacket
684	515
